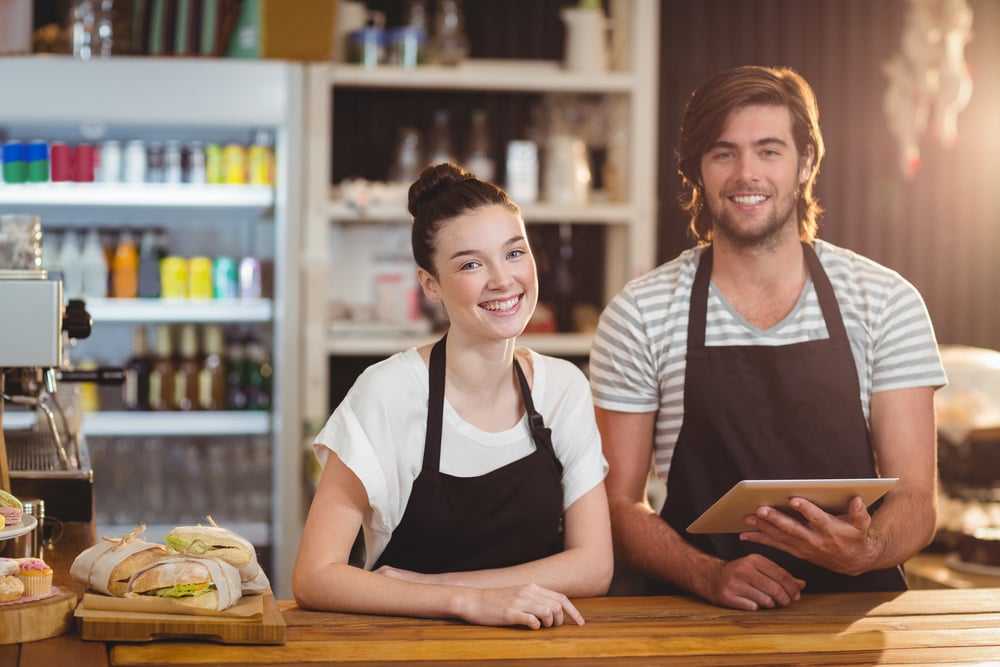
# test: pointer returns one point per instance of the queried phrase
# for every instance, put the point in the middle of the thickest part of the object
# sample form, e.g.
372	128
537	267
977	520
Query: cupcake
10	509
11	586
36	576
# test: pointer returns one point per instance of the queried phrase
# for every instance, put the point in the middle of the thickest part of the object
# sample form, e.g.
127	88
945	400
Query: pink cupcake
10	509
36	576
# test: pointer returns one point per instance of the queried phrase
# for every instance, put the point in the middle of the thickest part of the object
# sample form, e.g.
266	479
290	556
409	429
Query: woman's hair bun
433	180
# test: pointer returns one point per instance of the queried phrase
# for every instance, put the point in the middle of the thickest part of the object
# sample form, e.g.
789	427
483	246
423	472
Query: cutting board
114	626
41	619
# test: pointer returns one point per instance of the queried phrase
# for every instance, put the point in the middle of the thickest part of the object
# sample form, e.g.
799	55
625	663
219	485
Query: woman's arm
324	580
582	569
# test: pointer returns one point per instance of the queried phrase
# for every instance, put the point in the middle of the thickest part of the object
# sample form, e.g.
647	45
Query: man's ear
429	284
806	164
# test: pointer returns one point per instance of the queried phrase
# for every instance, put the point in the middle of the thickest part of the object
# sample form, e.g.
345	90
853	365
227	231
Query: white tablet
833	495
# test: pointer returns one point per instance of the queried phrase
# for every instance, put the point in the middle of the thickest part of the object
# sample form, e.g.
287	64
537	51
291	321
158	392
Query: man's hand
754	582
842	543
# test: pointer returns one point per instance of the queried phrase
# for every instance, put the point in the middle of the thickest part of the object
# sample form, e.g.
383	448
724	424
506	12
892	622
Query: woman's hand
525	604
529	605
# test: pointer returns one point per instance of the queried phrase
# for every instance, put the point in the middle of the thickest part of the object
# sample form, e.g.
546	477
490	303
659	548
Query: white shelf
598	213
532	76
159	195
567	345
180	310
176	423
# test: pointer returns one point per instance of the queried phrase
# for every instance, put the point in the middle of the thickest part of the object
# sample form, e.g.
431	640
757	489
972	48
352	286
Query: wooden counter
916	627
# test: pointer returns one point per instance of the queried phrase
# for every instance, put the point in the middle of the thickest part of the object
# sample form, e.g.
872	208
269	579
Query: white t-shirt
638	357
378	432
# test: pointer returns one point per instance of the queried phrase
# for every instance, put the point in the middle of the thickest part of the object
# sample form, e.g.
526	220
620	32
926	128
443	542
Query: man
765	353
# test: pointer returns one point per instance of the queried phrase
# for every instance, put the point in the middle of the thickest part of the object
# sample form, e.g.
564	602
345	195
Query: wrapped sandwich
218	543
108	565
197	582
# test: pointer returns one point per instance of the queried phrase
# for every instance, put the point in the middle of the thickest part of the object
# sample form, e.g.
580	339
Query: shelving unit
220	100
629	224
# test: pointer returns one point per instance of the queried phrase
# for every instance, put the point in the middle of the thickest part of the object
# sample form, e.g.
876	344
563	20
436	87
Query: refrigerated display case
243	466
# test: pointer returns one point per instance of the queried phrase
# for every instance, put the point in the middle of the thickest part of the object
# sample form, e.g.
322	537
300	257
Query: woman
471	506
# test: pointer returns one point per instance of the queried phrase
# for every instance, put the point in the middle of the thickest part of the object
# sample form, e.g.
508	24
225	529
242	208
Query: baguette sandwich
221	544
107	566
196	582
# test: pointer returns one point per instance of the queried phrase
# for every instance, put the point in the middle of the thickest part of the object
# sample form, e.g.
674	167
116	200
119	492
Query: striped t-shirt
638	357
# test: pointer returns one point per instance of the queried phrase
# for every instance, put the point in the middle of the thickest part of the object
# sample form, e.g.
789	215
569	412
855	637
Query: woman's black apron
768	412
509	516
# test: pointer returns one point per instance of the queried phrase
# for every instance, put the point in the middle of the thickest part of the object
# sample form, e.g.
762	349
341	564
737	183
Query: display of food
206	583
36	576
11	509
11	586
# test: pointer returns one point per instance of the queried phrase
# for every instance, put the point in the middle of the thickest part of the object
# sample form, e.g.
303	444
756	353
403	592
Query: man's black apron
769	412
509	516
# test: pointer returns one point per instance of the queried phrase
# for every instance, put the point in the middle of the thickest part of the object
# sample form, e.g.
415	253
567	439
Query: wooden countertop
915	627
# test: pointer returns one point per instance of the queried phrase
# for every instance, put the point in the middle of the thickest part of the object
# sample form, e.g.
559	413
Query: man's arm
646	542
904	439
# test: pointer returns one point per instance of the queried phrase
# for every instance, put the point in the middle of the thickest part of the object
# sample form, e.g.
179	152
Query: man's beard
767	236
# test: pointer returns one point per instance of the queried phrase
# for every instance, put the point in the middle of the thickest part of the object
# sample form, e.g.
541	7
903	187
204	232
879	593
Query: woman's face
486	275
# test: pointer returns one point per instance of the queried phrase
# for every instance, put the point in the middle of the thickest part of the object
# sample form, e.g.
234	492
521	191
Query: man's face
751	177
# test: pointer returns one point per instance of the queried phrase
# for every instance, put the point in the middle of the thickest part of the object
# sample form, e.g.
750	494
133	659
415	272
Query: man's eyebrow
766	141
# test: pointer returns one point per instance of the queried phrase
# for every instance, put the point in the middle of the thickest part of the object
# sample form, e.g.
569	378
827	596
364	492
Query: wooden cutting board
41	619
115	626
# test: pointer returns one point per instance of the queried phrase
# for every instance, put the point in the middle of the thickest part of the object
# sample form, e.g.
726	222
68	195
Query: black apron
508	516
768	412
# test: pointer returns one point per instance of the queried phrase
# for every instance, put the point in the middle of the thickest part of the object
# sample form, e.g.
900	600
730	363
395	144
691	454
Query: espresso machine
44	456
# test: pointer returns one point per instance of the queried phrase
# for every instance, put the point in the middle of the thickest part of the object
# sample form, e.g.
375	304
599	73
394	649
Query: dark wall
942	229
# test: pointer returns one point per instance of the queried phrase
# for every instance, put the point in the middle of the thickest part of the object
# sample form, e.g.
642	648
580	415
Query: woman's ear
429	284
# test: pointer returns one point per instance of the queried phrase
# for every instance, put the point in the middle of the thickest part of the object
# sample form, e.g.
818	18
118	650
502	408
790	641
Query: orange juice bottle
125	268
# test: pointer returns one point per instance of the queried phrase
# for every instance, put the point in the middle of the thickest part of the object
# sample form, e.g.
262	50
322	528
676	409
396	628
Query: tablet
833	495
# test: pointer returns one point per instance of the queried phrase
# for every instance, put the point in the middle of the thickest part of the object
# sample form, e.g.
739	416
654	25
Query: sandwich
196	582
221	544
107	566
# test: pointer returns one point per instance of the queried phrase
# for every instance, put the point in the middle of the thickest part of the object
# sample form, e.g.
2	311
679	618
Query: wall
941	230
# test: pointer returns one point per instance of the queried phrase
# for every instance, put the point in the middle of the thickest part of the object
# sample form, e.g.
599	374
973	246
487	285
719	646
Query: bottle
449	45
236	395
187	369
71	261
409	160
95	266
149	265
84	29
125	268
440	148
212	376
135	390
257	373
260	159
480	158
161	375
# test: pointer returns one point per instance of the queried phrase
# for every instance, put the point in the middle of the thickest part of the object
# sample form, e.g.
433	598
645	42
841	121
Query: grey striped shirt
638	357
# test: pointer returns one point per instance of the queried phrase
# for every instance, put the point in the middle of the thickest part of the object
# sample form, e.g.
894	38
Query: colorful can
196	172
111	162
261	164
83	163
173	277
250	278
38	161
61	162
15	162
135	162
200	278
225	276
172	167
234	164
214	172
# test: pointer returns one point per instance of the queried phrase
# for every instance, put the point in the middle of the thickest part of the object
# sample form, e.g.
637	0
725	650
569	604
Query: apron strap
539	432
435	406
